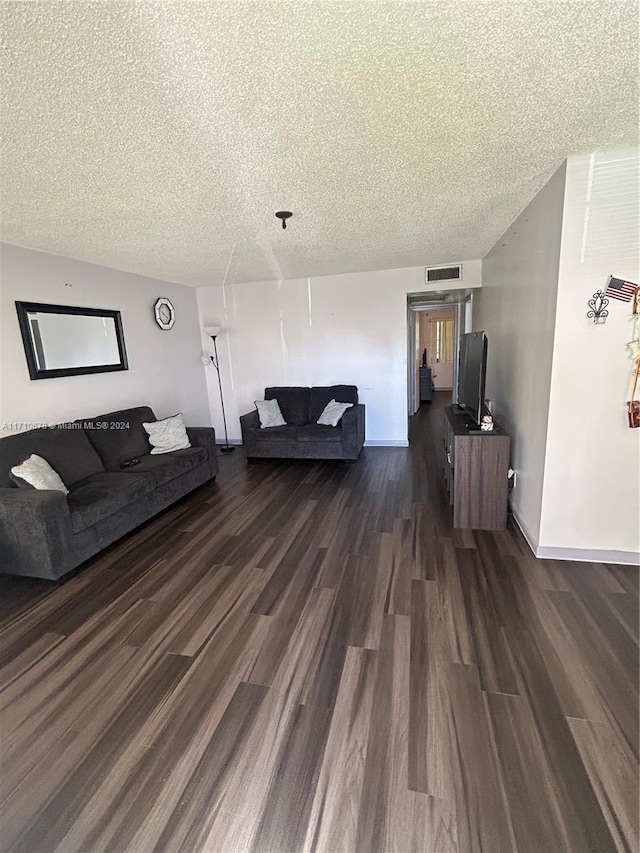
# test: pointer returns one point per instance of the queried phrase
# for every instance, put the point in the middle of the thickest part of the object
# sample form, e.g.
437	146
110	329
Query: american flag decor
619	289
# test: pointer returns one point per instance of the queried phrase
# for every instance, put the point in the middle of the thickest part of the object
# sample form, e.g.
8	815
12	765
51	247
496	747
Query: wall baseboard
532	541
587	555
579	555
384	443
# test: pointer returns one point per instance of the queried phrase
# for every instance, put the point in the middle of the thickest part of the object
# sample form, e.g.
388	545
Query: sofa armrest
249	424
353	430
36	537
205	437
250	421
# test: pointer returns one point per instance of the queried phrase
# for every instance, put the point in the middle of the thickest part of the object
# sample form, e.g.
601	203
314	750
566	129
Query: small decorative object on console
486	424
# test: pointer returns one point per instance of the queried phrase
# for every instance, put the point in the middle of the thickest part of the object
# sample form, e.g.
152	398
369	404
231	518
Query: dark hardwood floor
307	657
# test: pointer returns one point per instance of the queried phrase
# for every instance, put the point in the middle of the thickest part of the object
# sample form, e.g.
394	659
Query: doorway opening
435	322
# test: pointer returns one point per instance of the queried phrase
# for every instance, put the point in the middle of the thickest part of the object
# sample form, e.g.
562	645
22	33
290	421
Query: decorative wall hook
598	307
284	215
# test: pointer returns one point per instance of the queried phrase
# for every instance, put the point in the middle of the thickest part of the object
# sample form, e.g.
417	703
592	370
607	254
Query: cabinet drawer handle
449	457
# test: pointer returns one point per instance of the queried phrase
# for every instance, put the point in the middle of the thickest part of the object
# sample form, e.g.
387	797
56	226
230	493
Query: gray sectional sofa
302	437
46	534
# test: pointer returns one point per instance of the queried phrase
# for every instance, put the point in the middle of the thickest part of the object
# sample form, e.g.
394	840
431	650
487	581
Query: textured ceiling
160	137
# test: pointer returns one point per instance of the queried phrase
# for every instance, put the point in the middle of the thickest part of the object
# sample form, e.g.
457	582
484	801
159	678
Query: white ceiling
160	137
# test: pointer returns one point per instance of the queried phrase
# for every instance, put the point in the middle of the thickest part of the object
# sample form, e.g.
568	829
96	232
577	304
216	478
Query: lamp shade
213	331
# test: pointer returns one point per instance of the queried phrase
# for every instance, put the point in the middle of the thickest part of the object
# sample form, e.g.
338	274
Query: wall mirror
64	340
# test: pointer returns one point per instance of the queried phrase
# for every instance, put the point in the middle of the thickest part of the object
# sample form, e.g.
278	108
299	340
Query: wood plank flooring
307	657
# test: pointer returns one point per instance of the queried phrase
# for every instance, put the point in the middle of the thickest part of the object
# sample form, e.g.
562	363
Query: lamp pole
216	364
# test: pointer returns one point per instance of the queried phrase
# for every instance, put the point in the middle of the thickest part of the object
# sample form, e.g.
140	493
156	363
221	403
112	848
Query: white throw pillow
332	413
168	434
37	472
269	413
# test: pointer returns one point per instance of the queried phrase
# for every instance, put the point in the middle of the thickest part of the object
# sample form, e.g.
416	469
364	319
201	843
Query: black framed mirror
65	340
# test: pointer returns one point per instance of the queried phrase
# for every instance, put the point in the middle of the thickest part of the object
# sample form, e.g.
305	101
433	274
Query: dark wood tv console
476	469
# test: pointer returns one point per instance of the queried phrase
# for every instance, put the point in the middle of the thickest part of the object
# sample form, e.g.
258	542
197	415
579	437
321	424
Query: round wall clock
165	313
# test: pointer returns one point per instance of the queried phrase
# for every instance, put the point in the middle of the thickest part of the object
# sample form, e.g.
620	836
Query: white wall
165	367
592	472
348	328
516	307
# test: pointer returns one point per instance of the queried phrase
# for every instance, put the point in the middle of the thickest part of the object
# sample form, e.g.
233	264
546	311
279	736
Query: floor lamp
213	332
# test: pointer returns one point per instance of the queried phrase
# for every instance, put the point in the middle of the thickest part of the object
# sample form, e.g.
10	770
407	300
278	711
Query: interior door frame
414	308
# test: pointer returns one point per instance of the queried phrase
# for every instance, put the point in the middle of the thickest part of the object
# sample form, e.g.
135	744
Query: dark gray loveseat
45	534
302	437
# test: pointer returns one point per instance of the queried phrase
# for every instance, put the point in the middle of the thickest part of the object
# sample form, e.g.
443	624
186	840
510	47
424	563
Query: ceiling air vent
444	273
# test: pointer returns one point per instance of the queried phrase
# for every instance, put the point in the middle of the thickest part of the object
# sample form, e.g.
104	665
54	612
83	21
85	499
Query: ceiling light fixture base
283	215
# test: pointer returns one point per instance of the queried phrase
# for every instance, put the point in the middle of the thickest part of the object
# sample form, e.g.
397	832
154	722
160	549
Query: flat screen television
472	371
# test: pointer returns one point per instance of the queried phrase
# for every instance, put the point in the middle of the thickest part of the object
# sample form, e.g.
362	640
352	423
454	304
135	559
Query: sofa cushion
100	495
282	433
318	432
293	402
323	394
36	473
120	436
167	435
269	414
333	412
65	447
170	465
